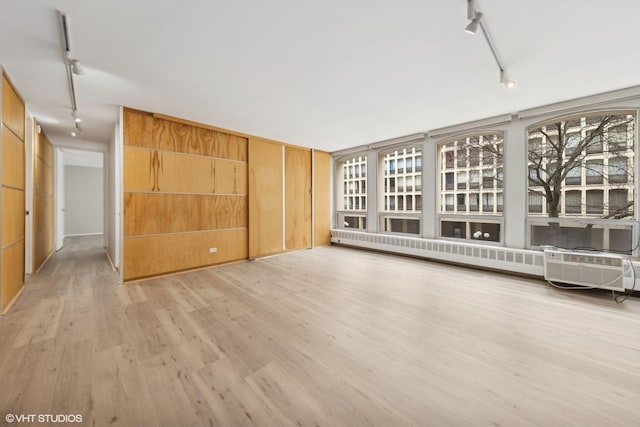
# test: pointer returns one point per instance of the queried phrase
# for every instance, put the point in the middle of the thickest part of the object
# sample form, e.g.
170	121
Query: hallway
47	336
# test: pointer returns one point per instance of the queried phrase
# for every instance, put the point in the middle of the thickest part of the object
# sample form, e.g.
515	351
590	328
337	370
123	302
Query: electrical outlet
213	250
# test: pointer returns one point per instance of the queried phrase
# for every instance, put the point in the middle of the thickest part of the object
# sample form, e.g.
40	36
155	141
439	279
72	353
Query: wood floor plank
324	337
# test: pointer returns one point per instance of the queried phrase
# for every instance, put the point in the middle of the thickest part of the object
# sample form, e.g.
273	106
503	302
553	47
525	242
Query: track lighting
76	119
76	128
473	25
76	67
73	67
472	28
505	80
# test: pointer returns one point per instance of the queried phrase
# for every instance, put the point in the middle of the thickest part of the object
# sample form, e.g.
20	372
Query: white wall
29	158
83	200
58	178
114	193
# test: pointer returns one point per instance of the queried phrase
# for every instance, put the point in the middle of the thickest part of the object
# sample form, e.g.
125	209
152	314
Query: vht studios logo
43	418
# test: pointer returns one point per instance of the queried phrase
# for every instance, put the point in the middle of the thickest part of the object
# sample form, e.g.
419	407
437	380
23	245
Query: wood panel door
297	198
12	196
265	198
321	198
42	201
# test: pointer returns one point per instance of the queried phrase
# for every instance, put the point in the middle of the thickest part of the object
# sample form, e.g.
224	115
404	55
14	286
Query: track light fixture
73	67
76	129
76	67
473	25
505	80
472	28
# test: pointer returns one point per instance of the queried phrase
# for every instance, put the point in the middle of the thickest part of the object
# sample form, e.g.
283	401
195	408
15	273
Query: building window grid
403	180
582	186
471	177
354	187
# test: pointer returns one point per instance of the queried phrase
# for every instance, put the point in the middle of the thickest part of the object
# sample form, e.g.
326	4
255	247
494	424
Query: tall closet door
297	209
12	196
265	198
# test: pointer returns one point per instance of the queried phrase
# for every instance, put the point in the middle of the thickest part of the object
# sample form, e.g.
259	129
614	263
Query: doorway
80	194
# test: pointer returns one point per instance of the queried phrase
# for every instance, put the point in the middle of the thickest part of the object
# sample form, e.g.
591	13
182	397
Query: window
619	202
400	212
573	202
448	177
595	201
535	202
471	180
602	149
618	170
592	179
595	171
354	193
573	140
574	176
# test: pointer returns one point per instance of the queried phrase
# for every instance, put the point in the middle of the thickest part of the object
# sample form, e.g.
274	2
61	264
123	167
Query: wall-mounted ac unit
591	269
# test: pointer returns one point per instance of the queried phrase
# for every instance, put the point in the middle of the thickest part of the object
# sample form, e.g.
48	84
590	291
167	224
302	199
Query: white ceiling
326	74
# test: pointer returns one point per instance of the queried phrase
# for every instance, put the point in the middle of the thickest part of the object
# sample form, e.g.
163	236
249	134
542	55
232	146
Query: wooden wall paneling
164	171
265	198
42	201
152	255
157	213
12	273
12	216
178	189
143	169
13	170
228	144
13	114
322	198
138	128
229	177
12	194
297	198
183	138
188	174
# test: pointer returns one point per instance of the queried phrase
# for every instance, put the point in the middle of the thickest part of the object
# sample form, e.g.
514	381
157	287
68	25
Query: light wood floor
325	337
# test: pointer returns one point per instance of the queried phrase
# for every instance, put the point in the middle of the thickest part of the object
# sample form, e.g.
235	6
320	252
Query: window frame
381	212
341	211
469	216
581	219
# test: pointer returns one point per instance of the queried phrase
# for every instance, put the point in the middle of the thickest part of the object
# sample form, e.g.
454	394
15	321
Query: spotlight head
472	28
73	133
505	80
76	67
75	117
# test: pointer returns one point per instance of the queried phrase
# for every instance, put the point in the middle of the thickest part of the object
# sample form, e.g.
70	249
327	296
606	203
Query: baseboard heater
513	260
589	269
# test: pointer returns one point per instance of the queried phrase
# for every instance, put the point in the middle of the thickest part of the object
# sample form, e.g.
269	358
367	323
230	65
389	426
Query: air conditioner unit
591	269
